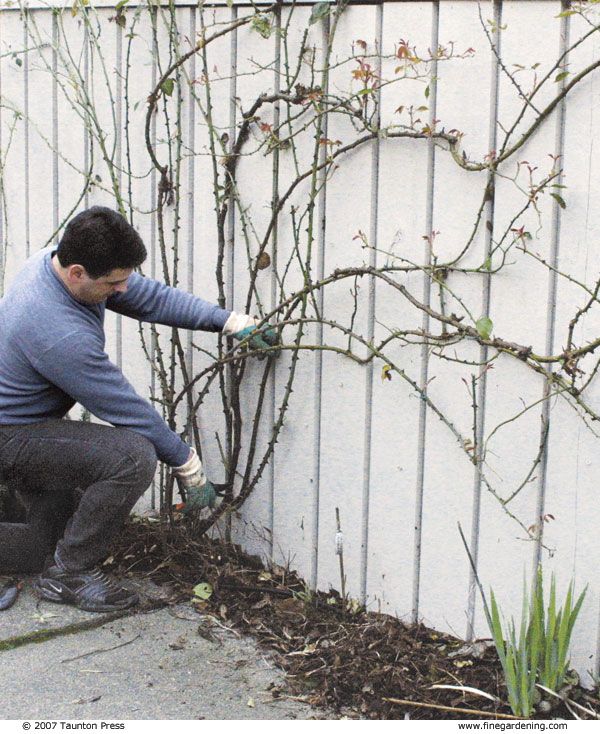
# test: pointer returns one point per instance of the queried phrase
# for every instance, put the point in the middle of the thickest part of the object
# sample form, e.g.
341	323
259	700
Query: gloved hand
199	492
198	498
241	326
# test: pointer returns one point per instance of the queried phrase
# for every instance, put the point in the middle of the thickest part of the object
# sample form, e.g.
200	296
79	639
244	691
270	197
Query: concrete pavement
169	663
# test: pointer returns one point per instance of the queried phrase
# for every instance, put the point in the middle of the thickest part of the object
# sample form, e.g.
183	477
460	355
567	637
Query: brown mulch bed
335	655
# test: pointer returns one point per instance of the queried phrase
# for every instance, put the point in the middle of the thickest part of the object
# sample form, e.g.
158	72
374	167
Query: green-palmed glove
197	498
242	326
198	491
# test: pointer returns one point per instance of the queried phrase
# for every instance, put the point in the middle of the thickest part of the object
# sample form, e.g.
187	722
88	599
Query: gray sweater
52	351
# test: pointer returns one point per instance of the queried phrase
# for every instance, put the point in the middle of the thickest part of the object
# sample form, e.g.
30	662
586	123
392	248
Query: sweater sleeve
151	300
79	366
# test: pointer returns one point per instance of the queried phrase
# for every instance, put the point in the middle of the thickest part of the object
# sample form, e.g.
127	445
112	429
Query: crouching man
78	481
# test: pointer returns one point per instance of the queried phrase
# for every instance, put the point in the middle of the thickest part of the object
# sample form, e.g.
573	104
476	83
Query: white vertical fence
352	440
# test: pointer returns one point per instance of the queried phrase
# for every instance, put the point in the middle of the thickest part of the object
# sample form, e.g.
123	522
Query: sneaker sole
8	595
61	595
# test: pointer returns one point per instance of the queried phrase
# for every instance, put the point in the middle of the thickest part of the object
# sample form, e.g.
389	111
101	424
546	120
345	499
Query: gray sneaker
90	590
9	593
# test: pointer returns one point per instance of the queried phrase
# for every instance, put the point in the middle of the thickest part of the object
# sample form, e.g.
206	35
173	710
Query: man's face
92	291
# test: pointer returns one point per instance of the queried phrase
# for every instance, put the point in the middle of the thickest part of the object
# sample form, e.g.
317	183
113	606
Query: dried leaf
203	591
179	643
263	261
308	650
264	602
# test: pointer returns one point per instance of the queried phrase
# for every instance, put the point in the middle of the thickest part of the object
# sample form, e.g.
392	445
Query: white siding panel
205	246
449	474
402	204
343	388
572	447
71	135
295	534
519	310
255	174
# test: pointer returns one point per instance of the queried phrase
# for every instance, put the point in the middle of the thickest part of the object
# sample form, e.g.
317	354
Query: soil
335	654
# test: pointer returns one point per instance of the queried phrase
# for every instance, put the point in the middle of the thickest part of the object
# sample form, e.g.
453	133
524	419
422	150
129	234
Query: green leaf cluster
262	25
539	654
319	11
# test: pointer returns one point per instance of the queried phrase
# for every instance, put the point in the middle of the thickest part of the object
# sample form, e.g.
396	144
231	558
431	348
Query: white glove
238	322
191	473
245	328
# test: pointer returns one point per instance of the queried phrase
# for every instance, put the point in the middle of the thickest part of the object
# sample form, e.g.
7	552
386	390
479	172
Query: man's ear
76	272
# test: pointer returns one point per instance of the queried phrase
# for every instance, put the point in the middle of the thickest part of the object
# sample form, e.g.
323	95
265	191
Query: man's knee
142	454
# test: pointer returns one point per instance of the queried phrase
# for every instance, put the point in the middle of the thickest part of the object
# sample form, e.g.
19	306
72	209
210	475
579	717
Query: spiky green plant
557	628
519	657
540	653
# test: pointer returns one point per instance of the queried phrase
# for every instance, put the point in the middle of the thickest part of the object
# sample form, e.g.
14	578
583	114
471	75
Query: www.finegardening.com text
509	725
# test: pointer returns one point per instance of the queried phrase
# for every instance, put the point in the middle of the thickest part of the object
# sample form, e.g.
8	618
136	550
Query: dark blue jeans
78	482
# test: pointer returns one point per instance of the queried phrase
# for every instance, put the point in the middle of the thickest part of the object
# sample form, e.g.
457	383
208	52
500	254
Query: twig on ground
439	707
101	649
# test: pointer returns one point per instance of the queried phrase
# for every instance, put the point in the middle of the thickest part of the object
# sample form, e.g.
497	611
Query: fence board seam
370	371
559	145
87	139
320	297
119	157
55	179
191	213
483	350
420	488
26	139
271	407
230	240
3	234
153	234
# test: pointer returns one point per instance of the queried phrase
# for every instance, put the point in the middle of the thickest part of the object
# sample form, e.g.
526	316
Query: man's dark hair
101	240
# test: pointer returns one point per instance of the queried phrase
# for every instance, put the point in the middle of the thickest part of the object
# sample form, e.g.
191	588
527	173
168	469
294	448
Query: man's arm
151	300
78	365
